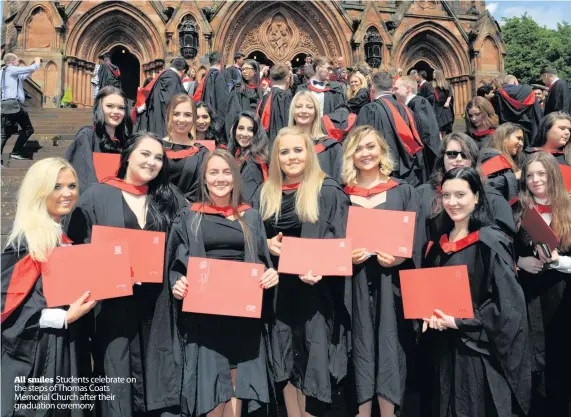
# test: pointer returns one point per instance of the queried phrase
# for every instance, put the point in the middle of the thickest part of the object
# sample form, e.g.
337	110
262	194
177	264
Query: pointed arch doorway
130	70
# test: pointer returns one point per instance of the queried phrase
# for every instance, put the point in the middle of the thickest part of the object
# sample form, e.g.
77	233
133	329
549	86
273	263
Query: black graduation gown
252	177
426	90
153	119
499	208
184	173
444	116
483	138
106	75
240	101
215	92
503	181
318	314
278	112
483	368
191	371
334	94
558	98
427	128
559	155
80	156
338	124
526	115
381	337
122	325
356	103
411	168
33	352
548	298
330	156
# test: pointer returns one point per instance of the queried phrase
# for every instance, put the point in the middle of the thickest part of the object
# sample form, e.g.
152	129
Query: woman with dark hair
554	137
111	128
501	162
458	150
246	95
185	156
225	360
480	367
481	121
249	144
139	198
208	126
544	278
443	103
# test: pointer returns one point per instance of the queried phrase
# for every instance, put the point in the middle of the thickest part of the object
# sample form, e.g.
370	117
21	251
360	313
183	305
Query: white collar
543	201
422	82
409	98
554	81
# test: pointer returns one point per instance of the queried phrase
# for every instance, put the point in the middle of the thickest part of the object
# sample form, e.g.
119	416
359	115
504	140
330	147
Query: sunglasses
454	154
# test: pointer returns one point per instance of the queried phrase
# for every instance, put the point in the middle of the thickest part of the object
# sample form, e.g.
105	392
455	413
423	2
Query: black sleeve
80	156
82	219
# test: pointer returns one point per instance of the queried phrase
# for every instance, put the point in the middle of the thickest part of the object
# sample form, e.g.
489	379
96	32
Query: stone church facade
458	37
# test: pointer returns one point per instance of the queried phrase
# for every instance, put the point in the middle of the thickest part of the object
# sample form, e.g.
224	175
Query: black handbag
12	105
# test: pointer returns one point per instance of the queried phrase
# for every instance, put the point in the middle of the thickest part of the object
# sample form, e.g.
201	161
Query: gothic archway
282	30
130	70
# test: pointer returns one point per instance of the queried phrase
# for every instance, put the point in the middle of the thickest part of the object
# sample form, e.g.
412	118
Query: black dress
330	154
444	116
184	170
502	178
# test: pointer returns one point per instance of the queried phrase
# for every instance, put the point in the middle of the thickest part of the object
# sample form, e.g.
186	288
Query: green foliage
531	46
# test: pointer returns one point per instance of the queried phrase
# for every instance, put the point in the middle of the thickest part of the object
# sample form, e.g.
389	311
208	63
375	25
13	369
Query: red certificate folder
208	144
320	256
70	271
538	230
446	288
106	165
226	288
388	231
146	250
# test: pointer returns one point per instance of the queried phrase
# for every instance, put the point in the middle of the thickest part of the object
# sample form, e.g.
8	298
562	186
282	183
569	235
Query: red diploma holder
106	165
331	257
208	144
446	289
146	250
102	269
538	230
566	172
225	288
388	231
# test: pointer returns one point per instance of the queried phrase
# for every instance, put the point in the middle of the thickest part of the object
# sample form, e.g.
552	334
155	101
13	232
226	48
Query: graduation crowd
290	161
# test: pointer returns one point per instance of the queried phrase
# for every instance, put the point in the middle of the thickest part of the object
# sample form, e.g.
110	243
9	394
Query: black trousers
9	127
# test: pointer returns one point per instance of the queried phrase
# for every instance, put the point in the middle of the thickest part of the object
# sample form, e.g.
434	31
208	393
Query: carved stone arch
282	30
39	30
489	55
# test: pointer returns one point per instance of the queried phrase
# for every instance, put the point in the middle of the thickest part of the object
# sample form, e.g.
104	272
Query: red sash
408	134
543	208
335	132
183	153
313	88
484	132
266	112
290	187
259	161
495	164
319	147
366	192
513	200
197	96
225	211
449	247
143	93
116	73
124	186
518	104
436	94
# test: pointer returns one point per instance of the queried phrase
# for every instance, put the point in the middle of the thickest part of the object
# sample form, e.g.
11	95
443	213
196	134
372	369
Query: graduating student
357	81
140	198
544	280
516	103
443	103
212	89
481	121
338	124
233	74
425	89
480	367
249	145
381	336
458	151
208	126
305	114
311	335
111	128
539	92
108	74
40	342
554	136
185	156
396	123
244	95
273	110
226	359
152	114
405	92
501	162
559	95
329	94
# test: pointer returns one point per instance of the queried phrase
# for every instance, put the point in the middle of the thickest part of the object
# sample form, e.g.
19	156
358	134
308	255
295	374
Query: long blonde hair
350	94
34	229
350	171
307	196
316	129
440	80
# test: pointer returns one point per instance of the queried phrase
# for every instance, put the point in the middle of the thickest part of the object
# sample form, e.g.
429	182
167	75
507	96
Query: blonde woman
185	157
299	200
357	81
501	162
305	114
379	348
38	341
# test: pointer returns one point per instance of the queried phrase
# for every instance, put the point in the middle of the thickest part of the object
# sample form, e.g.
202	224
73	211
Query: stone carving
279	35
424	4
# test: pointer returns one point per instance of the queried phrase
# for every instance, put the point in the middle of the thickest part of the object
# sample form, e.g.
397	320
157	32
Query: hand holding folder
325	257
387	231
106	165
538	230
